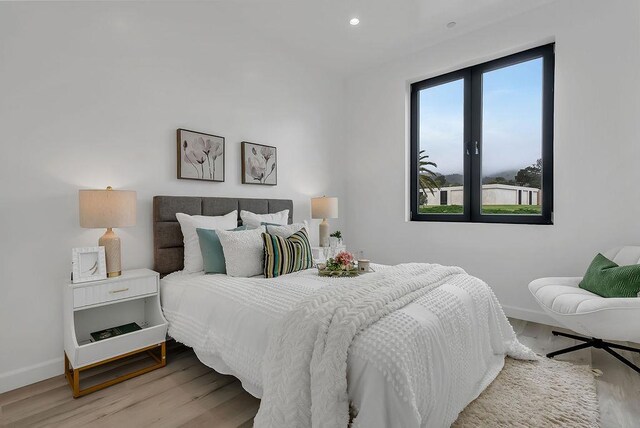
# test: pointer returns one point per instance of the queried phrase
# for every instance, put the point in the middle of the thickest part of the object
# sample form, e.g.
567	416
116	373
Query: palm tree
427	178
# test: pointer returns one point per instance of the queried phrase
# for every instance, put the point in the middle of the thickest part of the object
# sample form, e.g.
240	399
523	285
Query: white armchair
594	316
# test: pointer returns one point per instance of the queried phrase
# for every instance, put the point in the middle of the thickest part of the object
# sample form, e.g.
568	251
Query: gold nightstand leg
76	383
73	375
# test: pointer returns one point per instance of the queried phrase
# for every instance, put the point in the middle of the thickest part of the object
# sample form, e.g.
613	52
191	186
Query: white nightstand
93	306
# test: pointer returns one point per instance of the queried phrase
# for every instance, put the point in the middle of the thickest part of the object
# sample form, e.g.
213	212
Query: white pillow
255	220
189	223
243	251
288	230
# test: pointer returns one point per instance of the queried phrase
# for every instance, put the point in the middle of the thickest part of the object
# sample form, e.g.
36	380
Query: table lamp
324	208
108	209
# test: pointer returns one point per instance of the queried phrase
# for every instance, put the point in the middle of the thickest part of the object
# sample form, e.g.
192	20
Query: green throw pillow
211	248
605	278
286	255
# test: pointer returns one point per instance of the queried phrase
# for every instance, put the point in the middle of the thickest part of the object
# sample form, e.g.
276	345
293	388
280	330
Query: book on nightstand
114	331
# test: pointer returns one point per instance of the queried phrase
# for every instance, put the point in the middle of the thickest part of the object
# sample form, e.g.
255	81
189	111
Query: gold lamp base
111	243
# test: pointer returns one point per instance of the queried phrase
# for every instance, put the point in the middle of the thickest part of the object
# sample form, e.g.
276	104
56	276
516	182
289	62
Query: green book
115	331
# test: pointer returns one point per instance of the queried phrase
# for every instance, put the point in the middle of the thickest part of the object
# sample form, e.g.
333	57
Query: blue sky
512	120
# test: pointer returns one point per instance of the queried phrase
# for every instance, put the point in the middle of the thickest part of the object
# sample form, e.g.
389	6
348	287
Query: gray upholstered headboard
168	248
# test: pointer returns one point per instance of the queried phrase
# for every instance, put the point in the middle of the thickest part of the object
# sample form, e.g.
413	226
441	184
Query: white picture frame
88	264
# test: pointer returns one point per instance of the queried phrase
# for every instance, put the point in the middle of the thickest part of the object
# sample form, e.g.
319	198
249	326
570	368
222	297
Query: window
482	142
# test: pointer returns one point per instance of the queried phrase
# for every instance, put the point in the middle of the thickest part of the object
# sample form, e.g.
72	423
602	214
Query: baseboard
529	315
27	375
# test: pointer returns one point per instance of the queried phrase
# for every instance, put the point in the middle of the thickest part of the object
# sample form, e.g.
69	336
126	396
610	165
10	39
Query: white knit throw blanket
304	372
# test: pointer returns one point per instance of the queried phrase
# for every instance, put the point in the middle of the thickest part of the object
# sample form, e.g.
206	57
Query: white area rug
544	393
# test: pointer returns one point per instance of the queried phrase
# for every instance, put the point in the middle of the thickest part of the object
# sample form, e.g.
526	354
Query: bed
406	346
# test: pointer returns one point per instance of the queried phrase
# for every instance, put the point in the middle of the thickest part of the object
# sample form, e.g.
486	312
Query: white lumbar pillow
243	251
287	230
189	223
255	220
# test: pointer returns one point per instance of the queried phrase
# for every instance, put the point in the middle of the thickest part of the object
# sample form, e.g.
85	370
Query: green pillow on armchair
605	278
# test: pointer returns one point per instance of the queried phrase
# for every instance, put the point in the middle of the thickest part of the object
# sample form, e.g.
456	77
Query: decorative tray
338	273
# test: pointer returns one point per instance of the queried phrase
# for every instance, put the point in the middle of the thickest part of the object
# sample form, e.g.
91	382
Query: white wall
91	95
597	134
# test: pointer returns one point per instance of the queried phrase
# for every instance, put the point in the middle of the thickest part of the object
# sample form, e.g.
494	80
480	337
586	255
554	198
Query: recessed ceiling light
451	24
354	21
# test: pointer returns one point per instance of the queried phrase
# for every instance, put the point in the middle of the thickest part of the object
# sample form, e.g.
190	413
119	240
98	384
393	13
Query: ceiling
314	31
320	30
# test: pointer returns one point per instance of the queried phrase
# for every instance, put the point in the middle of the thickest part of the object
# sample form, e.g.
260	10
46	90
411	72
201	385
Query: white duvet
417	366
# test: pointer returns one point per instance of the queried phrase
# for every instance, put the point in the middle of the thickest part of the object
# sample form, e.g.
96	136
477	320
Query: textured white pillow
288	230
243	251
189	223
255	220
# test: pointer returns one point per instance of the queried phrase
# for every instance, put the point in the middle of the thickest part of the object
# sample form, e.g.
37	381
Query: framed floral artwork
200	156
259	164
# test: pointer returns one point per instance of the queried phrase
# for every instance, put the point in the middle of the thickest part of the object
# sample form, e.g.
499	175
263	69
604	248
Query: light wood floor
618	386
187	393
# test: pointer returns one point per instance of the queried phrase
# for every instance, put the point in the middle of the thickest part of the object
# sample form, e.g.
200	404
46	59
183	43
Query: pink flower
256	166
216	148
266	153
344	258
198	150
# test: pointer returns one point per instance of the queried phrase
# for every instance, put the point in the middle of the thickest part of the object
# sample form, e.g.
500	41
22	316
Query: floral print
201	154
260	164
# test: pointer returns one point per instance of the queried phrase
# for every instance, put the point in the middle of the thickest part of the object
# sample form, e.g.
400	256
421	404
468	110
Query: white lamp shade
107	208
324	207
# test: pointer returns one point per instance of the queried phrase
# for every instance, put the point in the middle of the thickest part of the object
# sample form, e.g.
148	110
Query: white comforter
419	365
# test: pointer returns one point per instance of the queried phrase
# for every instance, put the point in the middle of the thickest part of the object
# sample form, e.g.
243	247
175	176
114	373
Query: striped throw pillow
286	255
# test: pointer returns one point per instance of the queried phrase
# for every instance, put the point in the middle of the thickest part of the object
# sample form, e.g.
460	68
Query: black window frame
472	134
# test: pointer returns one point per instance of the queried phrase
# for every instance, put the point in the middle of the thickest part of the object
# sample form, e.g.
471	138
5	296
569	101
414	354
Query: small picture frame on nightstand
88	264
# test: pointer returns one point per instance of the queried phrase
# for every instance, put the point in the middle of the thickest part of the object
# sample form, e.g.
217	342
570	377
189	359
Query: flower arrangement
344	259
340	265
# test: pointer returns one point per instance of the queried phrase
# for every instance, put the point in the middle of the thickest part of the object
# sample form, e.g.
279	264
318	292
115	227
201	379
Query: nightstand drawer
98	351
109	291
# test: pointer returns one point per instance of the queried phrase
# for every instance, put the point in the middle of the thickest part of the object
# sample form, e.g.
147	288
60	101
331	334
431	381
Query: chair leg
571	349
571	336
623	347
596	343
621	358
